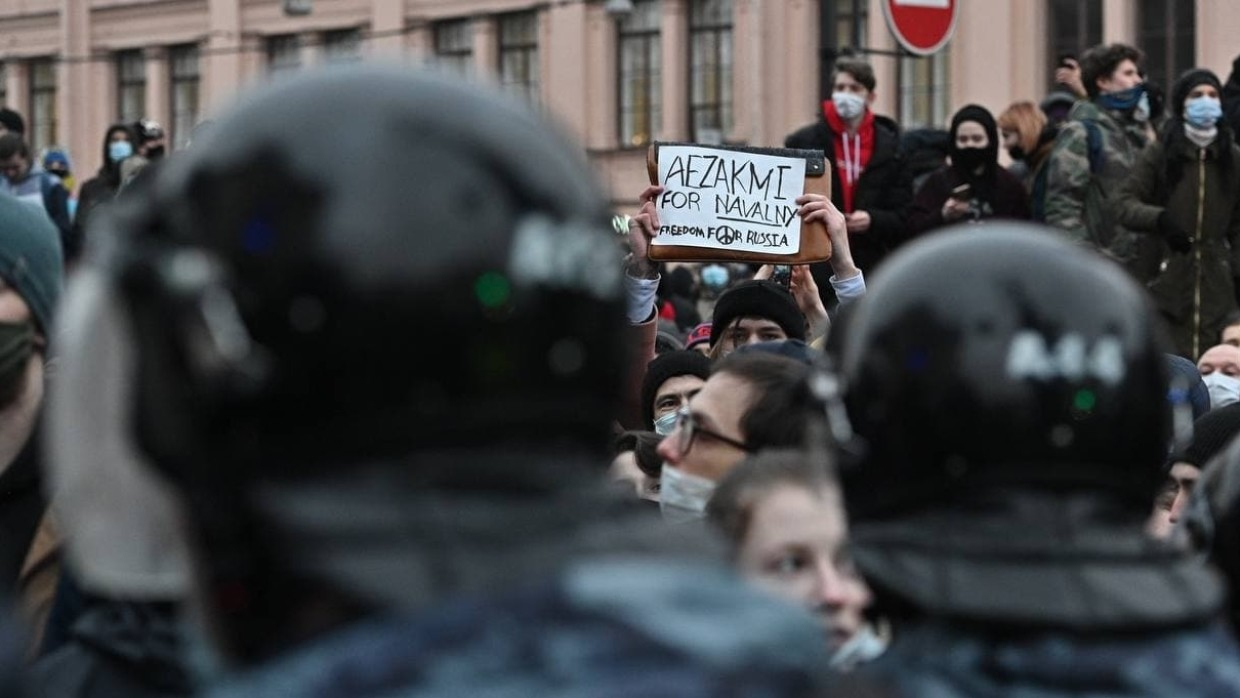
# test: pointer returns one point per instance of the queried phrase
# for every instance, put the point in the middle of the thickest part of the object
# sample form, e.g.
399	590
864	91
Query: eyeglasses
688	428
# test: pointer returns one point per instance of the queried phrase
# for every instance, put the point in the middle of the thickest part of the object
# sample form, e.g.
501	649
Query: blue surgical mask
714	277
666	424
1203	112
1224	389
119	150
683	496
1124	100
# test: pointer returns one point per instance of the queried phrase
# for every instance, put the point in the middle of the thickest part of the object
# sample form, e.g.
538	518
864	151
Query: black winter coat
885	190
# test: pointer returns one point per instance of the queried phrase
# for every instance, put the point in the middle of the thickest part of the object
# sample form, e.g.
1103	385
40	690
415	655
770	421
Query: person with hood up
118	144
1185	188
973	187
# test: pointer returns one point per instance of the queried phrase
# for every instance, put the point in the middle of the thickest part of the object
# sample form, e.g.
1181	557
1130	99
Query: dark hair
13	144
779	415
643	445
1102	60
859	69
731	506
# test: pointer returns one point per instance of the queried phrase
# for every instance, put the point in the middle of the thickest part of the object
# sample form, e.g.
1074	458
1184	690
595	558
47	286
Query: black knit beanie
763	299
1211	434
665	366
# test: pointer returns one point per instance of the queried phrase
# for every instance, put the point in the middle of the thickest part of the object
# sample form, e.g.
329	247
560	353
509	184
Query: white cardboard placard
729	200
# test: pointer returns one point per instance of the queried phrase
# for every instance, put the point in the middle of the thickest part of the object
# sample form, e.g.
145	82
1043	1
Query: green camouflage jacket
1080	194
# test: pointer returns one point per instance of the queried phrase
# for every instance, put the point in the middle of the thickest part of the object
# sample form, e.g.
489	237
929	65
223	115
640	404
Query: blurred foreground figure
378	370
1014	435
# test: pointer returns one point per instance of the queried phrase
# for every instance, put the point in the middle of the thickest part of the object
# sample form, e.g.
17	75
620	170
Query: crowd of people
400	414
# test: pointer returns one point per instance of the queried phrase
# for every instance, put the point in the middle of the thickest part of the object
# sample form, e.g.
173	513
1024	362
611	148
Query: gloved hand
1177	238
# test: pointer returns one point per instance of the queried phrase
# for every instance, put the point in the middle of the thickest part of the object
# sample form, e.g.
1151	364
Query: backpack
1093	140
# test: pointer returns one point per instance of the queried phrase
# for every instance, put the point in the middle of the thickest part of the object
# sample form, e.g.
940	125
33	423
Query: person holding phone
972	186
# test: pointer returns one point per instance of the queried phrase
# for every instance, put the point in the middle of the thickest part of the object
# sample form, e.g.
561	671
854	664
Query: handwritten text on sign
729	200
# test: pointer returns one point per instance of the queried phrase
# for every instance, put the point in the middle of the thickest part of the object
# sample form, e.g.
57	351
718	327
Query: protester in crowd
1186	383
699	339
636	462
118	145
25	179
11	122
750	402
151	140
1231	330
1028	138
1068	77
671	380
449	533
678	294
1220	371
1002	477
31	274
782	512
1211	434
870	181
56	161
1092	156
1186	190
973	187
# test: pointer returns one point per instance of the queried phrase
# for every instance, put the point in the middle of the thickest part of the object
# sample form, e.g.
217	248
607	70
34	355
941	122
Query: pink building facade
738	71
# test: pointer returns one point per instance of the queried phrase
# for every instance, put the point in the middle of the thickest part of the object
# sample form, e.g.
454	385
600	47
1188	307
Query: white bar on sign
936	4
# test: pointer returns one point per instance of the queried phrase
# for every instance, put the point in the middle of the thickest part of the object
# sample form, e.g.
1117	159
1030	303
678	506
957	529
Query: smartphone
782	275
964	192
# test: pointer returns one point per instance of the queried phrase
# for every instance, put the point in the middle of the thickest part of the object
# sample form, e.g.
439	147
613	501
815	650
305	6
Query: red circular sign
921	26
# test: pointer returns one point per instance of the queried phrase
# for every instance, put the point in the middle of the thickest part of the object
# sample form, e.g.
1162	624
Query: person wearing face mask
1185	191
972	187
671	380
1093	153
1220	371
31	275
870	180
118	144
1028	137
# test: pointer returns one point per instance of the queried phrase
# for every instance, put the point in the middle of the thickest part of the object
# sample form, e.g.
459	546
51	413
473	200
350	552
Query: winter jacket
618	628
943	660
884	189
1195	291
1082	184
1010	200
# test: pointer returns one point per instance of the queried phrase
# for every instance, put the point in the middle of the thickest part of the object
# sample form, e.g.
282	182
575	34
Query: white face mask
683	496
848	105
1224	389
666	424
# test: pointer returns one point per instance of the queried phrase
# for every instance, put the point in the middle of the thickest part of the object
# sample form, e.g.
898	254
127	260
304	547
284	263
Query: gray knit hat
30	258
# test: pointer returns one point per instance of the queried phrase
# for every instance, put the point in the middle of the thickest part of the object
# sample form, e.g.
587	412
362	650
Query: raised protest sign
733	203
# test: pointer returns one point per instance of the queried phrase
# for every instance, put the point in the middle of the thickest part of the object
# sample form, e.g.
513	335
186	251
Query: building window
283	54
342	46
130	86
183	93
710	70
640	74
518	55
1073	26
1168	37
846	24
925	90
454	46
42	126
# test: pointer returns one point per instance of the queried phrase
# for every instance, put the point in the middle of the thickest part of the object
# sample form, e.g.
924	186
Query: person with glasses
750	402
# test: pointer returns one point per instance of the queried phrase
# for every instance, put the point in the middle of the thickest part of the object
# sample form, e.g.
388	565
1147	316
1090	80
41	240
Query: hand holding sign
729	203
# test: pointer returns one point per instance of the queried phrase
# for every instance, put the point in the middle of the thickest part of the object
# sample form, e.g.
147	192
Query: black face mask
969	159
1017	152
155	153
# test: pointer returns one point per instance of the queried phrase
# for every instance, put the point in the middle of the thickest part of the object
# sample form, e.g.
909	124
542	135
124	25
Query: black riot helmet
983	358
436	273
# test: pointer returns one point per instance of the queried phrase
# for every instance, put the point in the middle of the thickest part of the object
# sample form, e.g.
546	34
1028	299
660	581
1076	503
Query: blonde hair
1026	121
